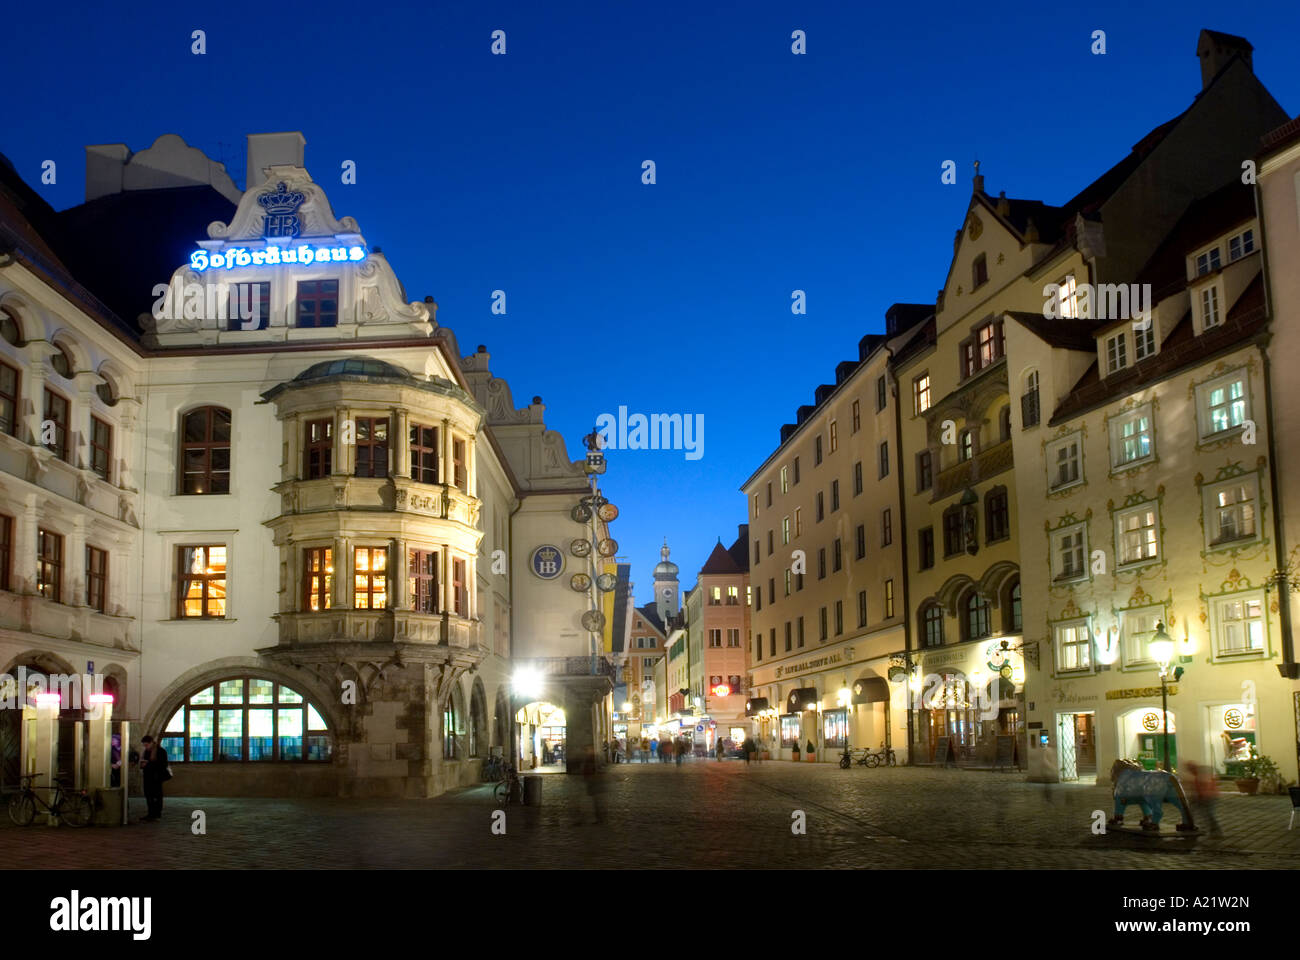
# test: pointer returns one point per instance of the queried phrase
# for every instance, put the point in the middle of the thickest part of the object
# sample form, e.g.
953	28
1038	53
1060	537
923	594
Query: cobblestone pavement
705	815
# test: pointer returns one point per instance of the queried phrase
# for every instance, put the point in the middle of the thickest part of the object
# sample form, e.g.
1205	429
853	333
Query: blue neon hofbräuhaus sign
201	260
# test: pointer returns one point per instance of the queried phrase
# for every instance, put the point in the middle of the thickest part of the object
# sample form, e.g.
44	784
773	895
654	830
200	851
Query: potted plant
811	752
794	752
1257	768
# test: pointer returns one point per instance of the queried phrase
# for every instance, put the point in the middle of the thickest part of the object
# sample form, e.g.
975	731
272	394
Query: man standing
153	768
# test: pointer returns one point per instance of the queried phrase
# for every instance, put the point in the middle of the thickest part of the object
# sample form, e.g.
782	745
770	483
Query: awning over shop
869	688
799	699
752	707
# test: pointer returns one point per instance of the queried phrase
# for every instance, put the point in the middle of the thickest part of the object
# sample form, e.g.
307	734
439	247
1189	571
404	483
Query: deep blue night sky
523	173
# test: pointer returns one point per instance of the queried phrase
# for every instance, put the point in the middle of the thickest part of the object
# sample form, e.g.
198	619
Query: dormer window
1240	245
1210	316
1116	354
979	271
1207	262
1144	340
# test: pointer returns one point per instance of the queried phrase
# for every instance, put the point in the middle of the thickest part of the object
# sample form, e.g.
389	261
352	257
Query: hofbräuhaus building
264	501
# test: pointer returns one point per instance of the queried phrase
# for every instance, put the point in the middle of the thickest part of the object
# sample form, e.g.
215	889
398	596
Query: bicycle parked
863	757
73	807
494	769
510	789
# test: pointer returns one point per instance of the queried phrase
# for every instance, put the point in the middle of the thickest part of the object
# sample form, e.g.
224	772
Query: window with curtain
201	577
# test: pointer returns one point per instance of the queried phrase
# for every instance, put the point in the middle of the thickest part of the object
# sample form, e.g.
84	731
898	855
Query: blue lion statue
1150	789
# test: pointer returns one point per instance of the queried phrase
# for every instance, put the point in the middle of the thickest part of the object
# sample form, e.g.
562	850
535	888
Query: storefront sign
809	665
201	260
935	659
1134	693
1062	695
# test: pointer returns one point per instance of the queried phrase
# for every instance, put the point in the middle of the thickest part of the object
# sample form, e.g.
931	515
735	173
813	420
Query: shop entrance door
1065	743
1085	745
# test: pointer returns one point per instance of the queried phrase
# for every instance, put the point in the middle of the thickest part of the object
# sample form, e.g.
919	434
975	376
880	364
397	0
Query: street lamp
1161	648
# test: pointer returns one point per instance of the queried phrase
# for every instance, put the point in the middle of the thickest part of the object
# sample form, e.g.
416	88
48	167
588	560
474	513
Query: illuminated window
201	576
1069	298
1073	646
249	719
318	578
1136	535
1230	511
715	597
205	451
1240	625
1222	404
370	577
921	393
49	565
1131	437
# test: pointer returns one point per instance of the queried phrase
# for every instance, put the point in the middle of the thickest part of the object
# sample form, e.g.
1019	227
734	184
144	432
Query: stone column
345	454
74	566
400	442
24	556
446	469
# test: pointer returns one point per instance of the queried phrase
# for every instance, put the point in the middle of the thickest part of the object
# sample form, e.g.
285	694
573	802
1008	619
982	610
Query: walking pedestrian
595	784
153	767
645	748
747	748
1205	789
679	751
654	749
722	749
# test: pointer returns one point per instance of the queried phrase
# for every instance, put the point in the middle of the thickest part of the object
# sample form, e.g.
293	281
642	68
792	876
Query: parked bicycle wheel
844	762
22	809
77	810
502	792
873	760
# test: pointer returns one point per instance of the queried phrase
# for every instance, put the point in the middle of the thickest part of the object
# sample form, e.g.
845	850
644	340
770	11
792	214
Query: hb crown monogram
281	211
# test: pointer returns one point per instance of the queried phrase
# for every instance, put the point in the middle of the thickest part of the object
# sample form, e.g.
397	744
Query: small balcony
984	465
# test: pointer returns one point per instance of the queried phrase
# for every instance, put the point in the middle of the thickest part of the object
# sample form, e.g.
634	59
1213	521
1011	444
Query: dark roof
720	561
1207	218
740	549
651	615
1068	333
1180	350
352	367
1281	137
122	245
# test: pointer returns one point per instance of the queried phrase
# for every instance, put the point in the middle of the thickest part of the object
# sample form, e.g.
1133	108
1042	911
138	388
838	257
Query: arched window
107	392
1012	619
62	362
966	444
247	719
932	625
975	617
477	723
9	328
453	714
205	451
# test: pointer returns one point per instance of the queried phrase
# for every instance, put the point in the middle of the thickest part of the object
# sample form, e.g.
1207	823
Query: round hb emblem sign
547	562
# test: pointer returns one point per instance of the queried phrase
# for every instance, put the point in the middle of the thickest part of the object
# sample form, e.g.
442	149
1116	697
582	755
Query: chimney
104	165
1215	50
272	149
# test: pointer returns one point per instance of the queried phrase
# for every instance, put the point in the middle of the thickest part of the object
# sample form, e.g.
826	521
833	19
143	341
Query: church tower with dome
667	596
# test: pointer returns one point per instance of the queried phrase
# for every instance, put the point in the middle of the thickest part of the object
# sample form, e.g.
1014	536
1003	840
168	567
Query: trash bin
108	806
533	791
